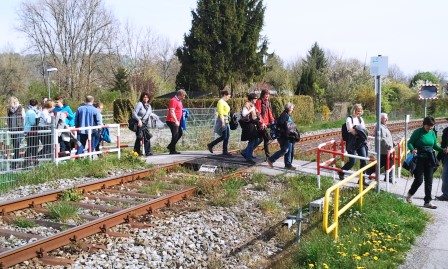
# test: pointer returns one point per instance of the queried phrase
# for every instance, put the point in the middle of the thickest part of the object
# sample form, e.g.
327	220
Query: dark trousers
32	144
176	134
15	140
382	163
425	169
351	161
265	138
146	145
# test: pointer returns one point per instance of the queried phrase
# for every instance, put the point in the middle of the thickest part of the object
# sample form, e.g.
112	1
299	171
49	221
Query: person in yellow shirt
222	127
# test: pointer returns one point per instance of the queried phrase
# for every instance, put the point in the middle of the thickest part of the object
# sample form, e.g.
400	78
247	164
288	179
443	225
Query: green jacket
420	138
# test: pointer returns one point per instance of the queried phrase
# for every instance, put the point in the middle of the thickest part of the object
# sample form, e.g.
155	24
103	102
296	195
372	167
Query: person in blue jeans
222	126
249	122
86	116
286	138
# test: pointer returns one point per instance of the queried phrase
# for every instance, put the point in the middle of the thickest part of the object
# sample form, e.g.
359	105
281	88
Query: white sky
412	33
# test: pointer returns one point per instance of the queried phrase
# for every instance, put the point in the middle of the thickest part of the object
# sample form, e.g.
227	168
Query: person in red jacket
266	118
173	120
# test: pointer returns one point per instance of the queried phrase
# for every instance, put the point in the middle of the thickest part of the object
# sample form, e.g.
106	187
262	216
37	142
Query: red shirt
267	117
175	104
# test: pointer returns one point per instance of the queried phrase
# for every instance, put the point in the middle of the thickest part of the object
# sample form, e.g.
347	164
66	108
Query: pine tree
314	67
223	46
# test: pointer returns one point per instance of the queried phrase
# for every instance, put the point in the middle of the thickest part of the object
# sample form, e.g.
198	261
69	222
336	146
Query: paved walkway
430	250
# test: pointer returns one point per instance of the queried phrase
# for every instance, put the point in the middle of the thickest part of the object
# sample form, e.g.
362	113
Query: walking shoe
429	205
341	175
442	198
174	152
409	198
227	154
149	154
270	164
290	167
210	148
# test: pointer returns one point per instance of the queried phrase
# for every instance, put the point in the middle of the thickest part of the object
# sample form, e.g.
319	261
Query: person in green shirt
422	144
222	127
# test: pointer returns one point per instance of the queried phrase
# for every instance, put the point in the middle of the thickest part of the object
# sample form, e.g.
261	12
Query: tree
275	74
121	82
70	35
224	45
312	80
424	76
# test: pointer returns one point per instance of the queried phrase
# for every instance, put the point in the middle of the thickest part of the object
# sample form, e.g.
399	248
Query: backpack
344	131
233	121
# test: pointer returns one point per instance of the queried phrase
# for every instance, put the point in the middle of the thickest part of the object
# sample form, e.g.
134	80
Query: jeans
286	150
424	169
83	139
445	177
176	134
225	138
249	150
351	161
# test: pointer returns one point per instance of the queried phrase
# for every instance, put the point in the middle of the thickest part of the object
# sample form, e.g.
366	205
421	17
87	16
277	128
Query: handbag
133	124
410	162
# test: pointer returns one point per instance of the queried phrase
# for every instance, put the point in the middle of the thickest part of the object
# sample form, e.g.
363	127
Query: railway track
102	205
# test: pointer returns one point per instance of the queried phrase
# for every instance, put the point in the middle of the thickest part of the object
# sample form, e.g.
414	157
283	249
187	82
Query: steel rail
42	246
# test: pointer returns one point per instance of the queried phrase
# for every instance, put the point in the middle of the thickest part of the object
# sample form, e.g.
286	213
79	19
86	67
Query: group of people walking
422	144
256	118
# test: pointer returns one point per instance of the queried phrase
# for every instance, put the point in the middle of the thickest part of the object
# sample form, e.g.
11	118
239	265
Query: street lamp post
49	70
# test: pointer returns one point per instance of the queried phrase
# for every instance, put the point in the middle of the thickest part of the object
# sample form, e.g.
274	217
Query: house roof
190	94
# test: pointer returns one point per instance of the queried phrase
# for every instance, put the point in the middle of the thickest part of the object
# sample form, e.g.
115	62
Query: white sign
379	66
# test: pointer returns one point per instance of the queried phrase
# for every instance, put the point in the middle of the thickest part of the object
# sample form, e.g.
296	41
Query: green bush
122	110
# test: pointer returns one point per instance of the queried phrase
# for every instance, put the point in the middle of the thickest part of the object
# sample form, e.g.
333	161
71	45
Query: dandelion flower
310	265
325	266
375	258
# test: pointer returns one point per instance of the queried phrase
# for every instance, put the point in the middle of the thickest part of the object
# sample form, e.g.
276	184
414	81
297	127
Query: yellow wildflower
358	258
311	265
326	266
375	258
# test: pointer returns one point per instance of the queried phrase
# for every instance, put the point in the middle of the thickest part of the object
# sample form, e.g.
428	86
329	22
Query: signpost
378	68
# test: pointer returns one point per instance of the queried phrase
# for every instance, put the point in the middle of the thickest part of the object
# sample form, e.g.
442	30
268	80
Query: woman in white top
355	120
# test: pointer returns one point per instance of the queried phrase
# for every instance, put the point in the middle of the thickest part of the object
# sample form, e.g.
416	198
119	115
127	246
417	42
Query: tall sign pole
378	68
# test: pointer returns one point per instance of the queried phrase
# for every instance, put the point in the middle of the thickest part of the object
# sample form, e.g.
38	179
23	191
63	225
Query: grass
375	236
221	193
154	188
63	210
73	195
23	223
260	181
71	169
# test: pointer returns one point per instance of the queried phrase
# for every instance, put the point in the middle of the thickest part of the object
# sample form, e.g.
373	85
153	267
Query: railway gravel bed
190	234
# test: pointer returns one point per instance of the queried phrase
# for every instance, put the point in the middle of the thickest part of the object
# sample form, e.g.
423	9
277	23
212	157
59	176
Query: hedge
303	112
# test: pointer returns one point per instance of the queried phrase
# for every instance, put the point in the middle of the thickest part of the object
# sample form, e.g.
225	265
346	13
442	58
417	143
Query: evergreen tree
121	80
224	45
315	66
